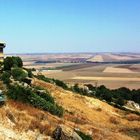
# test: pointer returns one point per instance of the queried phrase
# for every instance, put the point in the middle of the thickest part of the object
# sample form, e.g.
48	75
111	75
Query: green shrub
6	77
55	81
27	95
84	136
27	81
60	83
19	74
30	74
45	95
42	77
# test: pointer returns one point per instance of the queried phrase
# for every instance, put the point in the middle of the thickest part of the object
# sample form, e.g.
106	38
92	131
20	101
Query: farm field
98	74
113	70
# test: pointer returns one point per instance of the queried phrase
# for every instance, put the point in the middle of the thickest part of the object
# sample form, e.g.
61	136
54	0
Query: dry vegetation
90	115
100	119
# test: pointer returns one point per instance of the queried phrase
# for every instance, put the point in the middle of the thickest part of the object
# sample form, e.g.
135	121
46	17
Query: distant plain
113	70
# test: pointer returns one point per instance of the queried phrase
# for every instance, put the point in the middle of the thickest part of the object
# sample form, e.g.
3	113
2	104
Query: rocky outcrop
133	106
65	133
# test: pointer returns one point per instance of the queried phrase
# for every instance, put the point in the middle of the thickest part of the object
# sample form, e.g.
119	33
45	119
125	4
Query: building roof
2	45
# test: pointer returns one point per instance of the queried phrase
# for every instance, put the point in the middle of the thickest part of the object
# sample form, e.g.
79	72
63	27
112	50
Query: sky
41	26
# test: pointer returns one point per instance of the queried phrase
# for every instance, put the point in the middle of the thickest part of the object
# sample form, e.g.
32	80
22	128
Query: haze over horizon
70	26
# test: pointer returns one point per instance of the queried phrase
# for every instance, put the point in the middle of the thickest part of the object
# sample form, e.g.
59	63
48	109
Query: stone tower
2	46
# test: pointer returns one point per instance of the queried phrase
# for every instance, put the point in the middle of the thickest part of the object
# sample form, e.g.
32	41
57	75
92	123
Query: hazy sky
70	25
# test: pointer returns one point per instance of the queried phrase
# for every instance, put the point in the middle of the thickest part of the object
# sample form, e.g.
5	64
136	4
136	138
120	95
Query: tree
136	96
17	61
120	101
10	62
104	93
76	88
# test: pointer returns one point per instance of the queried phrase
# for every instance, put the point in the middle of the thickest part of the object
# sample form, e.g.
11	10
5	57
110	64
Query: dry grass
43	128
133	117
114	120
107	121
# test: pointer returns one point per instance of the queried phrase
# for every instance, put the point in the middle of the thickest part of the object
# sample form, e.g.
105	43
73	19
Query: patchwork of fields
109	69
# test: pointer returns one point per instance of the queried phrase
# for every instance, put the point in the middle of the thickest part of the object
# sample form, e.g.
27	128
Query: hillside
93	116
47	109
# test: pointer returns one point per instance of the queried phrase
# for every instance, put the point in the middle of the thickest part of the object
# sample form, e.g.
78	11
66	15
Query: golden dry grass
106	123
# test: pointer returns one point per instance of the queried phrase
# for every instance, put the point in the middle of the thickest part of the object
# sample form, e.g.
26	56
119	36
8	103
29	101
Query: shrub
60	83
84	136
26	95
42	77
43	128
27	80
80	90
90	87
19	74
133	117
49	80
30	74
6	77
45	95
114	120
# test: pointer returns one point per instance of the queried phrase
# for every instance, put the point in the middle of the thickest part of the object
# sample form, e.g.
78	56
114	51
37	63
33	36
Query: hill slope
89	115
93	116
